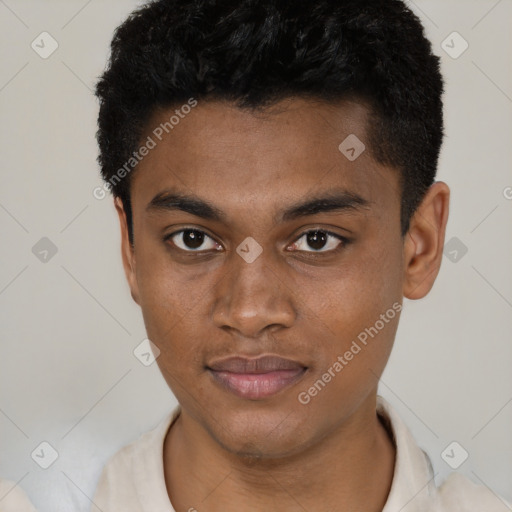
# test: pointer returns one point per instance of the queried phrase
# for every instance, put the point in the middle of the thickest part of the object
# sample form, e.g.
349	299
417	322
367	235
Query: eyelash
344	241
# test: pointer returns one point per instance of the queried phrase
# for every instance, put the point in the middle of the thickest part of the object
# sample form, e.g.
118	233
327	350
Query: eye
192	240
320	241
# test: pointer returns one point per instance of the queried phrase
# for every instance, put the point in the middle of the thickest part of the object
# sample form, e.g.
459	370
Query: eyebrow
334	201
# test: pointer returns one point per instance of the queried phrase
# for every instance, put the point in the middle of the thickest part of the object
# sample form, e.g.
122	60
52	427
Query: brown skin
225	453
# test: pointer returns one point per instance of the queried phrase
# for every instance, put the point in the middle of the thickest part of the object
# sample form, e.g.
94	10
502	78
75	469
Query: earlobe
127	251
424	242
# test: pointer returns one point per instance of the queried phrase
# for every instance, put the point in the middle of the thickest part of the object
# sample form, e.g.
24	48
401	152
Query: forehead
260	159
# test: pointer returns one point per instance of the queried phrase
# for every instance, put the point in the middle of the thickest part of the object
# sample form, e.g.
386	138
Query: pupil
317	239
193	239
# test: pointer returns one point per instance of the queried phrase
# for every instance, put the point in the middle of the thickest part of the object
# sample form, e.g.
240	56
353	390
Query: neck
349	469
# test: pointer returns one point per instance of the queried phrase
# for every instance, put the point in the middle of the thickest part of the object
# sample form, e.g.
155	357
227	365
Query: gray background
68	326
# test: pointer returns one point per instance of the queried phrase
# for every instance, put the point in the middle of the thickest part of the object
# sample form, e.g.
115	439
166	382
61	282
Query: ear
424	242
127	251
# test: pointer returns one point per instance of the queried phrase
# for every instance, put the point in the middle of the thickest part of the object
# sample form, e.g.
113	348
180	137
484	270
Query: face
258	239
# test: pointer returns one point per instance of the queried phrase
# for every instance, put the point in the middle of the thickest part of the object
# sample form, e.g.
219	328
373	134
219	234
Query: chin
259	436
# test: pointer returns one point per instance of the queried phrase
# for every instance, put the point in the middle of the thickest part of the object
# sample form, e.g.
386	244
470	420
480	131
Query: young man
273	164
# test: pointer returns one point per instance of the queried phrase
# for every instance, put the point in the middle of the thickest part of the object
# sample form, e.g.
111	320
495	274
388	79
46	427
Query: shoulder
13	498
413	468
460	494
135	471
116	484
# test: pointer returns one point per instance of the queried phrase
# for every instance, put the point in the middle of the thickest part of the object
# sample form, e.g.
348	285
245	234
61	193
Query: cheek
354	295
170	301
377	279
168	292
357	319
349	364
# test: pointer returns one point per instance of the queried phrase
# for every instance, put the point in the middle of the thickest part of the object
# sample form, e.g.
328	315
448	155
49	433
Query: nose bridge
251	296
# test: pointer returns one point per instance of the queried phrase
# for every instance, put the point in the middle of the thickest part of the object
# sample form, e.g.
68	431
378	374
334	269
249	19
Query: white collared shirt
133	480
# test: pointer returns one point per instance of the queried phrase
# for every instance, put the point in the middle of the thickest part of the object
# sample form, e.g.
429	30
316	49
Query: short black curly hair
256	52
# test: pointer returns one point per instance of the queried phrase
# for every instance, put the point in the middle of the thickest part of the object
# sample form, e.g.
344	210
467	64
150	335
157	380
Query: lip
257	378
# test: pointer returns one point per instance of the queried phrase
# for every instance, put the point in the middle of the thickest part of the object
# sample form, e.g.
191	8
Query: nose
253	297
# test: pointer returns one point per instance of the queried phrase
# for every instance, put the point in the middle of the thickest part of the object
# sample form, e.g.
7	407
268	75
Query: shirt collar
413	488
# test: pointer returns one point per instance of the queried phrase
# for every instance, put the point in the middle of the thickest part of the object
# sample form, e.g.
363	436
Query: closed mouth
258	378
